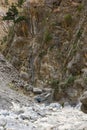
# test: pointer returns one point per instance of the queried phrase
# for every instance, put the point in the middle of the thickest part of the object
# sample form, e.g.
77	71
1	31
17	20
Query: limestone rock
83	127
3	122
79	84
44	97
76	64
24	75
24	117
28	87
37	90
84	108
83	98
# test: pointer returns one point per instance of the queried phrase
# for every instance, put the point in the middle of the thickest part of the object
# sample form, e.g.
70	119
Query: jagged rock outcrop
83	99
49	46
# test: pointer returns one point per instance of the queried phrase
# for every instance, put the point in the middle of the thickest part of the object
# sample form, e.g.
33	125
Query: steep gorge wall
50	47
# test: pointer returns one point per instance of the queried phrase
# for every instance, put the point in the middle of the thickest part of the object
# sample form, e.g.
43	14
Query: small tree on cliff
13	13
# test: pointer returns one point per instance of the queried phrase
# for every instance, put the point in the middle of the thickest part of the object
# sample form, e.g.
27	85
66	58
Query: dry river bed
42	117
19	112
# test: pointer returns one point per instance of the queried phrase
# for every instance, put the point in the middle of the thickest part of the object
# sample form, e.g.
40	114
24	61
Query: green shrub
85	80
80	7
69	80
6	2
47	36
20	3
54	83
4	40
13	13
79	33
68	19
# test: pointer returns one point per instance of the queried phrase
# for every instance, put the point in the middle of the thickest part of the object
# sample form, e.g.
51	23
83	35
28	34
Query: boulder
37	90
83	127
83	100
24	75
76	64
44	97
28	87
84	108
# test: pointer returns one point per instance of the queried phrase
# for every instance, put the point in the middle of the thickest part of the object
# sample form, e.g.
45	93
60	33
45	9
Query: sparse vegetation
54	83
70	80
4	39
6	2
68	19
85	80
13	13
67	82
47	36
42	53
79	33
80	7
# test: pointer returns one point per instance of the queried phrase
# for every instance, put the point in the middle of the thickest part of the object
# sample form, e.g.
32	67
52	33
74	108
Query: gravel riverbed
19	112
43	117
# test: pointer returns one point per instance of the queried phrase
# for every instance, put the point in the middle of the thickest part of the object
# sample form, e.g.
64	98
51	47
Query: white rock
55	105
1	128
3	122
37	90
65	127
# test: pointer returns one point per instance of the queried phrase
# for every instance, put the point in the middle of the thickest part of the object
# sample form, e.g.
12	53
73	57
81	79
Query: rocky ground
18	111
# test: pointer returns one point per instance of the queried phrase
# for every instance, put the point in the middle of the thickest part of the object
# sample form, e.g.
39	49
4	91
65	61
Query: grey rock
3	122
84	71
66	104
33	117
41	113
17	125
84	108
44	97
47	90
83	98
55	105
78	106
24	117
5	113
1	128
37	90
72	92
24	75
76	64
79	83
28	87
5	103
83	127
53	3
19	112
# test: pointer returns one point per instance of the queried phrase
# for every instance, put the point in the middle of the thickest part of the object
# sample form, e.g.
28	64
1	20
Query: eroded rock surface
18	111
84	102
9	78
41	117
50	46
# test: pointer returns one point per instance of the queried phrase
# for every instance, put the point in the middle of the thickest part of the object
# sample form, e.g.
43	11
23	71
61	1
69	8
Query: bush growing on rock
68	19
13	13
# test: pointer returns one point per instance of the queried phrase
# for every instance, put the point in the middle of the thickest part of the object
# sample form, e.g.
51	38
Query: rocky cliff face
49	49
